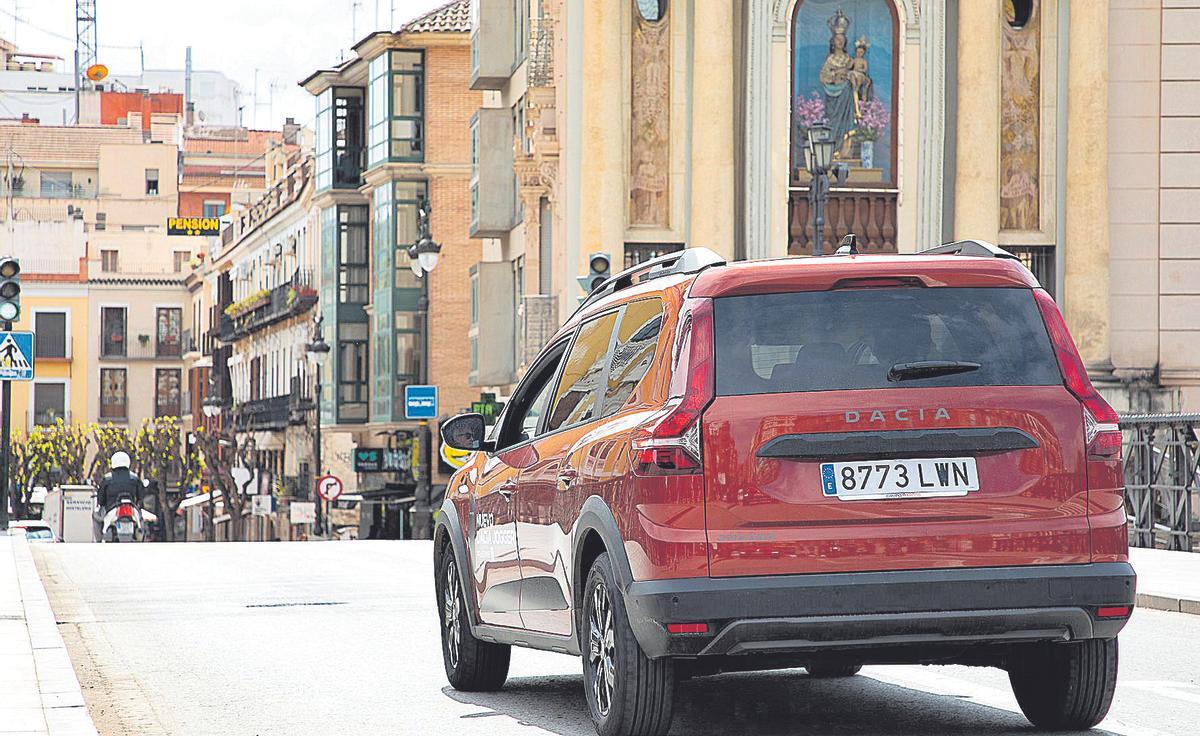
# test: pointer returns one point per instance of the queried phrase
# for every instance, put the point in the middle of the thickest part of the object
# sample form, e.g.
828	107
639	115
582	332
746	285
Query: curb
65	711
1168	603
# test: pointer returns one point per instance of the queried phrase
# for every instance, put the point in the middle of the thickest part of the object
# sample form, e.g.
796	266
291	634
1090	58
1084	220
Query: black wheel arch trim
448	524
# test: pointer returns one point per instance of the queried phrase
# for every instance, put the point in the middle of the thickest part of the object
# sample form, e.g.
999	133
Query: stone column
757	181
603	182
712	166
933	123
1086	300
977	135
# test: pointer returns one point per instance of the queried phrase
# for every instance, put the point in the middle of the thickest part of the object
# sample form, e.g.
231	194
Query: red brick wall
191	204
450	103
117	105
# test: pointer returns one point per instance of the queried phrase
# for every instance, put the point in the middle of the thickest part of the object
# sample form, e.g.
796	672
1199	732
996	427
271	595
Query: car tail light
1101	431
669	442
687	628
1112	611
125	511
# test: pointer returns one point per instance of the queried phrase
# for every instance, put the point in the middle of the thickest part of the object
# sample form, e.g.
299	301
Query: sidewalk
39	693
1168	581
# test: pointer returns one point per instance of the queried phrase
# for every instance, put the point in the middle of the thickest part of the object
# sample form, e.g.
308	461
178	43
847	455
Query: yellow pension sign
193	226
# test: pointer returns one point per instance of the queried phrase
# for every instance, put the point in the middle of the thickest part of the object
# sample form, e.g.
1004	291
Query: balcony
494	186
272	413
868	213
52	190
493	45
188	341
264	308
540	72
140	347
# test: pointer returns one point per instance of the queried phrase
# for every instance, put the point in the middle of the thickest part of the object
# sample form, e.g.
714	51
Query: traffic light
10	289
599	269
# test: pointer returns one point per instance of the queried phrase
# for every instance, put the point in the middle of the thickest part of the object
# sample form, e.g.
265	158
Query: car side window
637	341
529	403
577	397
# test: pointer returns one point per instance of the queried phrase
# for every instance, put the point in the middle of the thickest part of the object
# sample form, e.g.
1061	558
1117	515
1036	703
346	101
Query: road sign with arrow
16	356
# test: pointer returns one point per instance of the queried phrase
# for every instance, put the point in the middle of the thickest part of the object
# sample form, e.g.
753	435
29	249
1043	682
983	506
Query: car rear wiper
929	369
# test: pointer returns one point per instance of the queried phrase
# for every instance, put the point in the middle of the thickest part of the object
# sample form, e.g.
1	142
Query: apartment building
393	132
104	279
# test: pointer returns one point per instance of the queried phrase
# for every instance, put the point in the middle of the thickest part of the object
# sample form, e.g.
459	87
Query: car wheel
628	693
1065	687
471	664
830	670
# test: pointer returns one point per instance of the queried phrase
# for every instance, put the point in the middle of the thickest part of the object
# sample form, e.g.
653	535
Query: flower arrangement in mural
874	118
810	111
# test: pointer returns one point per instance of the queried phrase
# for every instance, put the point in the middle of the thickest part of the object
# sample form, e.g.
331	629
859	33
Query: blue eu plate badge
828	484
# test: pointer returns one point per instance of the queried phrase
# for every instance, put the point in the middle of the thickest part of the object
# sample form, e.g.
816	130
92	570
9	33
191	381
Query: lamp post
423	258
819	149
317	349
212	406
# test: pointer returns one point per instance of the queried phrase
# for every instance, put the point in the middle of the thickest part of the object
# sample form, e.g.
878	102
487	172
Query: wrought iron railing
272	413
294	296
1039	259
1162	479
541	53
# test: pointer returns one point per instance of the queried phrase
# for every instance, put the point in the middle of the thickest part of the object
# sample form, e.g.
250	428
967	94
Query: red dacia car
804	462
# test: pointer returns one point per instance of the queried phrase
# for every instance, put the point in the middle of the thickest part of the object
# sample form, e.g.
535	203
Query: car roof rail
688	260
974	248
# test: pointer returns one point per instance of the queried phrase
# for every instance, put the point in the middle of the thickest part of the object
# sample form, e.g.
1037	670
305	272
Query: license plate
885	479
125	525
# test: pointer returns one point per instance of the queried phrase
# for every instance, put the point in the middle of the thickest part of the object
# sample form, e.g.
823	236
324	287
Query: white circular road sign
329	487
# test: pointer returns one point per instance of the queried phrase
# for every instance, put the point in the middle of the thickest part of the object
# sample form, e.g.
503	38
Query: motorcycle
124	522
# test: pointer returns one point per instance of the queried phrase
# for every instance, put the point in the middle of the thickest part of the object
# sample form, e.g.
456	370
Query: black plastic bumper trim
910	601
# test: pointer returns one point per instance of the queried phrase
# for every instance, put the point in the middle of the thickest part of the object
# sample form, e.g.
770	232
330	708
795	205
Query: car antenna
848	246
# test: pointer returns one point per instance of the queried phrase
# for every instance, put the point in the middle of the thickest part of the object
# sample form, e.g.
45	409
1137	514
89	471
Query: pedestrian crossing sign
16	356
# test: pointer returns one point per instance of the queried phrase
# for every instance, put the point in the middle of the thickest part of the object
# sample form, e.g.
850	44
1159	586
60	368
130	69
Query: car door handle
506	488
566	477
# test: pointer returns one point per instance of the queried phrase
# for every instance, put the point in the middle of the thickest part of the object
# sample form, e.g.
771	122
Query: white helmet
120	460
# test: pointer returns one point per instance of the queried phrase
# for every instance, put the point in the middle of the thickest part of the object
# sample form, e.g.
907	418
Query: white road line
1179	690
927	679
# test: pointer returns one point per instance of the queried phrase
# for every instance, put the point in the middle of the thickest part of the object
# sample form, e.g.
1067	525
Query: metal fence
1162	479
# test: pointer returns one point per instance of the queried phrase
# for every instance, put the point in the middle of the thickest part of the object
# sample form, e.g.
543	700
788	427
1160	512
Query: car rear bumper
818	613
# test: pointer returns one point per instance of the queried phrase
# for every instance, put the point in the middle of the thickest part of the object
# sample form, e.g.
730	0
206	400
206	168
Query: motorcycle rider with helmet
118	482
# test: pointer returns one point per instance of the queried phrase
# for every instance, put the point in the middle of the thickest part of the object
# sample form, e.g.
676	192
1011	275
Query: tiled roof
66	144
453	17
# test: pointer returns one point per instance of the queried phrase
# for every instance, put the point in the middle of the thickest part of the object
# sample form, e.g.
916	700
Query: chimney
290	131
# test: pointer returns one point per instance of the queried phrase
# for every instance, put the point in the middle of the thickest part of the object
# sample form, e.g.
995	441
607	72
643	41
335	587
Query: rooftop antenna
85	45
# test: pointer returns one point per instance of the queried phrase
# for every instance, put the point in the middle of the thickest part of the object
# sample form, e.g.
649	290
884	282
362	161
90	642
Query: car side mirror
465	432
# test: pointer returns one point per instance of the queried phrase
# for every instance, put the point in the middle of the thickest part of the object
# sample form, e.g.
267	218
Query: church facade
1053	128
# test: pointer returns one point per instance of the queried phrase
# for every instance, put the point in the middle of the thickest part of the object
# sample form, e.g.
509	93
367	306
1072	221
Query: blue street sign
16	356
420	402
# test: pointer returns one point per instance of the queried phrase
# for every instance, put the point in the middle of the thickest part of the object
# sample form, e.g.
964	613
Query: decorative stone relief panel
650	116
1020	115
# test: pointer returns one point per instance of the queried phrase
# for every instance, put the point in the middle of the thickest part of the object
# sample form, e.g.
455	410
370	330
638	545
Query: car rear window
852	339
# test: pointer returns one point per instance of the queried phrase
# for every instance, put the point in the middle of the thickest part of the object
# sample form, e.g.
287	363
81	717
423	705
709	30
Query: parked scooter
124	522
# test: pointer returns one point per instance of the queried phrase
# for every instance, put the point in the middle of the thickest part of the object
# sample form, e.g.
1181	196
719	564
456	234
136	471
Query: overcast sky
285	40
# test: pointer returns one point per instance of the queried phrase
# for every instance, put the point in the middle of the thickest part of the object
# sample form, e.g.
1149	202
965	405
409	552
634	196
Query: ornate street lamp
424	254
819	148
317	349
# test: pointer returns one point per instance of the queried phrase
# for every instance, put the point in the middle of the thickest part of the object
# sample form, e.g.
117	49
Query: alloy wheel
451	604
602	648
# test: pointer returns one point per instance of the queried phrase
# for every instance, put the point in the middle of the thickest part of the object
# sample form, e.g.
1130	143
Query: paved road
341	638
